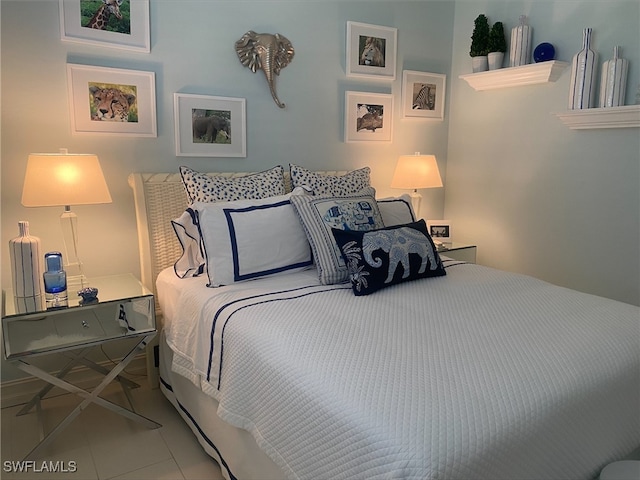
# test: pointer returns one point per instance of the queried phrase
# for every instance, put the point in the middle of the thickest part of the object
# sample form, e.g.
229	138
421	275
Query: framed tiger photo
423	95
371	51
111	101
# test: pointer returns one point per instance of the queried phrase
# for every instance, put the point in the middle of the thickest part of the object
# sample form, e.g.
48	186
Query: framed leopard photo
111	101
423	95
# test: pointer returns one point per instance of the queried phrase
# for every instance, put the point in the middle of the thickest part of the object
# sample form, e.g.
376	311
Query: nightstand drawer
68	328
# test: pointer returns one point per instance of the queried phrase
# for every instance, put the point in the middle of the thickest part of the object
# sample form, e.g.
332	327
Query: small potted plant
497	46
480	44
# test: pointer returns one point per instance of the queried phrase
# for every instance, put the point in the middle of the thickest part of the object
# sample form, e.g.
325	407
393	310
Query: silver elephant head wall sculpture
267	52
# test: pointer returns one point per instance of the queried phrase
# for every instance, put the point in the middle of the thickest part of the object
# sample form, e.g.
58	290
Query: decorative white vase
479	63
520	49
613	82
495	60
26	270
583	75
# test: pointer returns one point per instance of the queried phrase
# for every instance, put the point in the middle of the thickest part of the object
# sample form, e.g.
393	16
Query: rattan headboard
160	198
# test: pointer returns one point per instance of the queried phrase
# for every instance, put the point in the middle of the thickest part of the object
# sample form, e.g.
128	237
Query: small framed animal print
423	95
440	230
368	117
208	126
371	51
122	24
112	101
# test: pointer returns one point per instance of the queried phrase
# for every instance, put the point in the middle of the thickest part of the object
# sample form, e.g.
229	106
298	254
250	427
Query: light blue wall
539	198
192	52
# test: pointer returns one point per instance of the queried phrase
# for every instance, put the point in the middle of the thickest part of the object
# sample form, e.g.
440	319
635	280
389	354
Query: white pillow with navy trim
191	263
249	239
396	210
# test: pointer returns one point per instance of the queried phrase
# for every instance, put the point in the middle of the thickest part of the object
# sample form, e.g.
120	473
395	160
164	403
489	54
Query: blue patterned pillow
337	185
319	214
214	188
380	258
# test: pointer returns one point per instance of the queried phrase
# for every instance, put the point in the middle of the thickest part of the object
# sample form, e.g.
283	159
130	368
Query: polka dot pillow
335	185
215	188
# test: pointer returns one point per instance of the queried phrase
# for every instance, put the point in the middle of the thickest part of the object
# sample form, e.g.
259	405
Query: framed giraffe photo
423	95
111	101
122	24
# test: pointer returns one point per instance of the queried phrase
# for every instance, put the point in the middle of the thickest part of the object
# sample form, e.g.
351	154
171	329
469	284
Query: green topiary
480	37
497	41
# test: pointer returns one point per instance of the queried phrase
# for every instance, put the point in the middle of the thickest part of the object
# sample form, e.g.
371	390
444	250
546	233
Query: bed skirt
233	449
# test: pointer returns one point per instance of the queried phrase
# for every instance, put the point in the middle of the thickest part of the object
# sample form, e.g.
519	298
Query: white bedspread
479	374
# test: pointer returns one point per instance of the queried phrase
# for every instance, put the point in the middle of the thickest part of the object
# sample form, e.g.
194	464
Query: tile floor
105	445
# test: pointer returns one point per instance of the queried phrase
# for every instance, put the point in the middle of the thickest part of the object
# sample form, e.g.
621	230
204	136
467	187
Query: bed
465	373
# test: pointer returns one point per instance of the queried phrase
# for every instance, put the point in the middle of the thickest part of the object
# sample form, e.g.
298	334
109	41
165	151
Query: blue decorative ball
544	52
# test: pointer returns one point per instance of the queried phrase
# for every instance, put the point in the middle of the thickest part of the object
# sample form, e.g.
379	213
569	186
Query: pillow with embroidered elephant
379	258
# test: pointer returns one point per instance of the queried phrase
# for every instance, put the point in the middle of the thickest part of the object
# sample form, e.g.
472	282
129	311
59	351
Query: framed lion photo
208	126
112	101
371	51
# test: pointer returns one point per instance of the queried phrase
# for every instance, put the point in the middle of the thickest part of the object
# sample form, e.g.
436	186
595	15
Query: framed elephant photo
208	126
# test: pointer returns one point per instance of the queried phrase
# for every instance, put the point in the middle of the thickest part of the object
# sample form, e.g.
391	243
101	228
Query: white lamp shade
416	171
64	179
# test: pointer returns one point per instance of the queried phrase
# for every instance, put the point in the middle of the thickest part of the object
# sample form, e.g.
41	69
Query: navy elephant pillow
379	258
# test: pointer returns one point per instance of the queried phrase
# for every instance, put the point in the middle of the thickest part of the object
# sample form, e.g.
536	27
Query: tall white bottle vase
583	75
613	82
520	48
25	254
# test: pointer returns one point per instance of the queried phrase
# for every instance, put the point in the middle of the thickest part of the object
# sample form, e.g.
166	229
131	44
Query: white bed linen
479	374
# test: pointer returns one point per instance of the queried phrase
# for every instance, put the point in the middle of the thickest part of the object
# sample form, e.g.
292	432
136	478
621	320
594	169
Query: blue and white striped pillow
319	214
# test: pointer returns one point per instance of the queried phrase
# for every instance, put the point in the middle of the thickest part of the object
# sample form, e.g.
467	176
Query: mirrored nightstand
124	309
462	252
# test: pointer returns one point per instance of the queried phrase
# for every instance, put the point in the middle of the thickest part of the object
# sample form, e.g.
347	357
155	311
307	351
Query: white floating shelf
543	72
627	116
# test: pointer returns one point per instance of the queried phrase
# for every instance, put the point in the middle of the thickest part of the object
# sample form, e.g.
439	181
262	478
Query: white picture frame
423	95
440	230
198	134
368	117
131	32
371	51
85	82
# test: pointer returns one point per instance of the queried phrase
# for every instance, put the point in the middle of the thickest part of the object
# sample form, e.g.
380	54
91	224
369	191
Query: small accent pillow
337	185
249	239
320	214
388	256
215	188
396	210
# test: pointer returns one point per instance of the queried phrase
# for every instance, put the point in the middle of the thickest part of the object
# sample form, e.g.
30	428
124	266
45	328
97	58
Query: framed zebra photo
423	95
371	51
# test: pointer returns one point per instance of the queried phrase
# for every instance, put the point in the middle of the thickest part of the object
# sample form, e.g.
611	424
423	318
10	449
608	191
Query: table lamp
64	179
414	172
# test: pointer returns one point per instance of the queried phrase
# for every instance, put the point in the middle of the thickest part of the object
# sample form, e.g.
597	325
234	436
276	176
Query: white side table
125	309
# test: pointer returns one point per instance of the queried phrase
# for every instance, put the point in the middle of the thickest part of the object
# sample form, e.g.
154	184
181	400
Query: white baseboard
17	392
